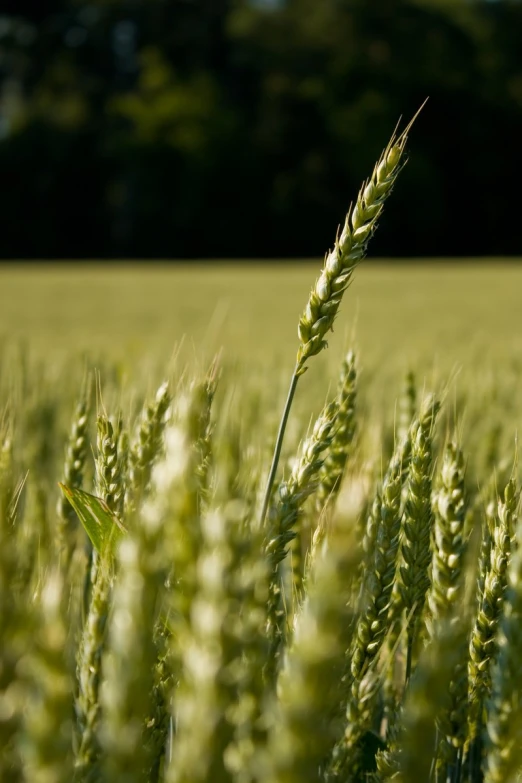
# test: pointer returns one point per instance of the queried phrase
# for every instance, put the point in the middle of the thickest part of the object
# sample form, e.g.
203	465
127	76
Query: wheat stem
279	445
47	749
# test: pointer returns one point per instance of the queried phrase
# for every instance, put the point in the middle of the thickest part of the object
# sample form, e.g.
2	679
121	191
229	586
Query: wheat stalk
217	664
449	507
373	623
128	680
147	446
415	554
380	577
89	673
482	647
284	516
407	406
332	471
47	749
75	458
173	506
304	728
350	248
109	477
504	725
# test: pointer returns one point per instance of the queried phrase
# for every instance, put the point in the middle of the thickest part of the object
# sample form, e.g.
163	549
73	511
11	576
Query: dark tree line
190	128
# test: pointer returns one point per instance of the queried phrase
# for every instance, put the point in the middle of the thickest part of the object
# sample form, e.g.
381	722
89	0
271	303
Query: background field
458	325
442	312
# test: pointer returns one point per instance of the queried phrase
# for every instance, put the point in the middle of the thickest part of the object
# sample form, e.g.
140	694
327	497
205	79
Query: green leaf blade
101	524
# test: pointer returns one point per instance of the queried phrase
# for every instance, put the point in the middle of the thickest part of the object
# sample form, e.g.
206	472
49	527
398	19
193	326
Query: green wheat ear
303	724
483	641
340	263
350	248
414	580
332	471
504	725
284	520
449	506
147	445
76	455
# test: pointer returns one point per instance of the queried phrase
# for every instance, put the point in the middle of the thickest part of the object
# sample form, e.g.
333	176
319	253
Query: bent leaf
101	524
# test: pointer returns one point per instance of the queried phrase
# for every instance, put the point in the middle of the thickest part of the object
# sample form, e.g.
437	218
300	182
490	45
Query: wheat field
202	582
426	311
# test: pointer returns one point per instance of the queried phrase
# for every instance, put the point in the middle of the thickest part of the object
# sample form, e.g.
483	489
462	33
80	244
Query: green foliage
186	650
170	116
100	523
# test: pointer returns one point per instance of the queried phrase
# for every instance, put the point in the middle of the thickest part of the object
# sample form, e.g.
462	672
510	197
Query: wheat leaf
100	523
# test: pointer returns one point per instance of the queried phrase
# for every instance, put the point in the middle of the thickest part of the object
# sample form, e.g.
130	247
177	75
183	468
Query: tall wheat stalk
340	263
414	581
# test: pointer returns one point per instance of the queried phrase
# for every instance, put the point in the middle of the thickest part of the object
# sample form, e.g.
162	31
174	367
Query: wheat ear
373	624
304	729
301	484
482	646
332	471
452	719
449	543
284	516
349	249
504	726
413	579
109	478
339	265
147	445
369	537
449	506
75	457
380	577
109	485
89	672
407	406
249	593
489	521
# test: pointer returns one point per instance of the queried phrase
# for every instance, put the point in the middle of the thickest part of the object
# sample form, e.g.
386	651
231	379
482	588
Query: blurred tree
244	127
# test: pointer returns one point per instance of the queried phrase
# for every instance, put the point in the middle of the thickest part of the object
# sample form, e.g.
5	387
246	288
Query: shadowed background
243	128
